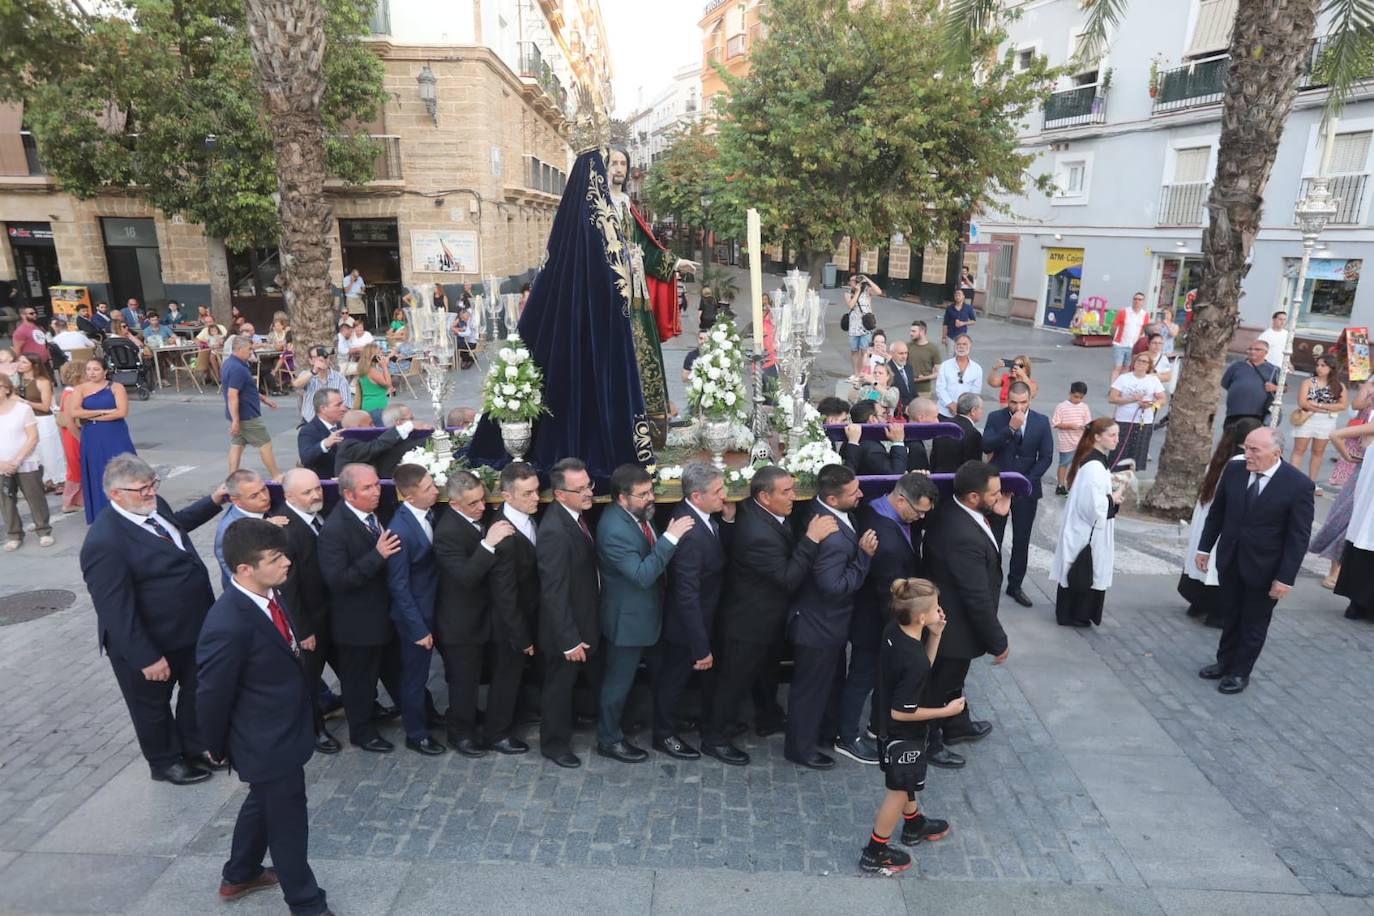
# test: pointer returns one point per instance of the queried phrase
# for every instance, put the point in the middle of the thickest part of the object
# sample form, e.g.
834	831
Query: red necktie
648	532
279	619
582	523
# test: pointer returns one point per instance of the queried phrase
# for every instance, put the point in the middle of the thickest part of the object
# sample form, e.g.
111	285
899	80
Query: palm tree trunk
287	42
1269	43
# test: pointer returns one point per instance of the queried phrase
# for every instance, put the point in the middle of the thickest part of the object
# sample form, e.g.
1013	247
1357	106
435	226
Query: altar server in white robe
1356	580
1083	558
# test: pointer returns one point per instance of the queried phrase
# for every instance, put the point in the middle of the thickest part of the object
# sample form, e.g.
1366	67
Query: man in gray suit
632	560
248	498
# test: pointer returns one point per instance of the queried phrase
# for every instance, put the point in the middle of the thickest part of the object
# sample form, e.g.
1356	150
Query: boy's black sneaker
923	829
885	861
1061	491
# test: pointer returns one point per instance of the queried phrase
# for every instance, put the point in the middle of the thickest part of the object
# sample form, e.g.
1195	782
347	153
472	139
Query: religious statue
602	303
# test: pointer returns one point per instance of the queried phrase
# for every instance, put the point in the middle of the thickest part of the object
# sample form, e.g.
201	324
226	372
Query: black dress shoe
813	761
1354	612
326	743
1213	621
180	773
945	759
1195	611
427	746
385	713
977	731
674	746
565	758
203	761
509	746
467	746
623	751
378	745
1233	683
1212	672
1019	595
726	753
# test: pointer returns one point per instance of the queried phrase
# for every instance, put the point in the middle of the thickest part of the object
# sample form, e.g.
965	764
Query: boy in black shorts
903	668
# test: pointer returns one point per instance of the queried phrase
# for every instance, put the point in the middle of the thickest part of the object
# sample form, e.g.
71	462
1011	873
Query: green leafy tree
687	172
850	123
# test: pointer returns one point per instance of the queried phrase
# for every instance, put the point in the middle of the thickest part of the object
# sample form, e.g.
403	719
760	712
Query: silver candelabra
799	330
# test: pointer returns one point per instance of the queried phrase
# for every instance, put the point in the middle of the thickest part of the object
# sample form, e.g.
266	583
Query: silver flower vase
715	438
516	436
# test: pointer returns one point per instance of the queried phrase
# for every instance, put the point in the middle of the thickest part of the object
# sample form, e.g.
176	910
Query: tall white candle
756	276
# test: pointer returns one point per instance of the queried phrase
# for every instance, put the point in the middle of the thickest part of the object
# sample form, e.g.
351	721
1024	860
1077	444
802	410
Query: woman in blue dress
104	433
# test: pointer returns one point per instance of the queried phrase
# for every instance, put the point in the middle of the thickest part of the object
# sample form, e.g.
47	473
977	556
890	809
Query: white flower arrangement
806	462
672	472
427	458
715	386
514	387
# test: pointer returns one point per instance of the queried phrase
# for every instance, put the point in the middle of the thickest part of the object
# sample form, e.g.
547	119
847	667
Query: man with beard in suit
316	440
767	564
307	596
695	576
967	567
890	517
820	618
467	555
353	549
151	593
569	607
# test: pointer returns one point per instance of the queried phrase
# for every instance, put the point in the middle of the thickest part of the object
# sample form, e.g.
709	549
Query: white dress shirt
480	533
522	522
309	518
842	516
421	516
982	521
705	518
261	602
780	519
1264	477
139	521
362	516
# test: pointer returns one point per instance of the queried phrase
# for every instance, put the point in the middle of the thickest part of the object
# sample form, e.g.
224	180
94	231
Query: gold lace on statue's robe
644	259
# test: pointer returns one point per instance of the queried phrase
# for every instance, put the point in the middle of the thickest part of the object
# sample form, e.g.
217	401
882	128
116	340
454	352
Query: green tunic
650	261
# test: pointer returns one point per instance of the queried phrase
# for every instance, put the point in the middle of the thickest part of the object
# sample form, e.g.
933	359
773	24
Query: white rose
499	402
508	390
730	398
535	397
713	373
726	345
505	354
512	372
523	354
513	403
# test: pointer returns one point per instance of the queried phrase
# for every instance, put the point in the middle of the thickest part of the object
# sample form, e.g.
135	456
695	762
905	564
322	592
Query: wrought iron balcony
1201	82
1076	107
1349	193
1181	203
1316	69
735	46
388	164
531	60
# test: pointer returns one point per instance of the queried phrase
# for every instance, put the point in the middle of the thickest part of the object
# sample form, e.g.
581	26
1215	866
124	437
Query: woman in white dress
36	384
1083	557
1356	580
1202	590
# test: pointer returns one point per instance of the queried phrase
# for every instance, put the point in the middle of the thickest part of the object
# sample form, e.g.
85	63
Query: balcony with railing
736	46
1199	82
1076	107
387	166
31	154
1181	203
531	59
1348	193
379	23
1316	70
714	54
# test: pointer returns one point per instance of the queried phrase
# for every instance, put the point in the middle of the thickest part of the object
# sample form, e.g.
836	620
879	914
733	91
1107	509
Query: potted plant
513	395
1154	76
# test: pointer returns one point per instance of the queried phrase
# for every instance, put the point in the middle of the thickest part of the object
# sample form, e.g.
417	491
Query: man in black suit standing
967	567
1019	440
305	592
920	410
151	592
256	713
767	564
353	550
384	453
316	440
902	378
948	455
898	556
819	623
569	607
465	554
515	600
1262	514
870	457
695	576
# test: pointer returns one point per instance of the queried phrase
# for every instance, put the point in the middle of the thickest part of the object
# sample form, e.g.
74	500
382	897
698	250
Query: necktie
372	525
648	532
159	530
582	523
315	525
279	619
1252	492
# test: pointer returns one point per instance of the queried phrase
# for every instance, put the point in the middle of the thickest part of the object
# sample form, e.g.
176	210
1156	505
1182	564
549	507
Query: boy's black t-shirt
905	669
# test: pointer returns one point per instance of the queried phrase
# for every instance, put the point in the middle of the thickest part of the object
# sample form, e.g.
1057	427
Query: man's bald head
357	419
922	410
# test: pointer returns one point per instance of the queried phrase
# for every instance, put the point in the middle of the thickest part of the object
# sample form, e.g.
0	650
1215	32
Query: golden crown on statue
591	128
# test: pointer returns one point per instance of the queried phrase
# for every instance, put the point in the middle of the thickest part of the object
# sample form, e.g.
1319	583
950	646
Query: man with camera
859	320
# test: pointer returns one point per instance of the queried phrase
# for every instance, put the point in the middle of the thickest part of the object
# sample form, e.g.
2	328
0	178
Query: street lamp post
1313	212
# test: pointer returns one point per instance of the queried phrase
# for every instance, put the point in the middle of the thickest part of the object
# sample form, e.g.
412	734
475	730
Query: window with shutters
1212	30
1190	164
1350	153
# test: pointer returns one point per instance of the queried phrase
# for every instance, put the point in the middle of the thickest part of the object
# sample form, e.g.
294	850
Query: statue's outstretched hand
687	267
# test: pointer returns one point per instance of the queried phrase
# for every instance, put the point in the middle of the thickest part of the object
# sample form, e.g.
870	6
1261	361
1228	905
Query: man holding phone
1019	440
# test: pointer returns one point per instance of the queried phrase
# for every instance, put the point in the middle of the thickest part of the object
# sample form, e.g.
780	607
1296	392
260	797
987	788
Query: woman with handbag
858	321
907	650
1083	557
1321	399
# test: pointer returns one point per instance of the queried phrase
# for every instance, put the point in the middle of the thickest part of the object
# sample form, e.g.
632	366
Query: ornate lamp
429	92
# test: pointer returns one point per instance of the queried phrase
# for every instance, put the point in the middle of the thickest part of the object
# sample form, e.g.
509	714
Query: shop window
1328	295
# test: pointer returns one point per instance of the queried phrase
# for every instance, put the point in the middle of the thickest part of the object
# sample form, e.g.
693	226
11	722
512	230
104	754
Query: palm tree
287	40
1270	41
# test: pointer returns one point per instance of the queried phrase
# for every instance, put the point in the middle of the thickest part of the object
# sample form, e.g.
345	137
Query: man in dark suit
413	581
768	562
948	455
967	568
695	576
384	452
256	713
1262	514
305	593
869	457
248	498
515	598
633	560
316	440
890	517
920	410
353	551
818	625
151	592
465	553
1019	440
902	378
570	600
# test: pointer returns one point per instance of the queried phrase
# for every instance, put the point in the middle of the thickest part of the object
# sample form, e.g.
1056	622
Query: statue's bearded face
617	167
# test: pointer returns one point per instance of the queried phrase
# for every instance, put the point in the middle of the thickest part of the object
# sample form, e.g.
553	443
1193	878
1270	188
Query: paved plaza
1115	780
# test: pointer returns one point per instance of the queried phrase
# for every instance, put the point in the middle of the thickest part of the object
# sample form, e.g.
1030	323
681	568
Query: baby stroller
124	364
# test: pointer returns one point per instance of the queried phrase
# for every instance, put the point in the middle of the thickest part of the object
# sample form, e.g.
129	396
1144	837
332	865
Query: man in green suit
633	559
